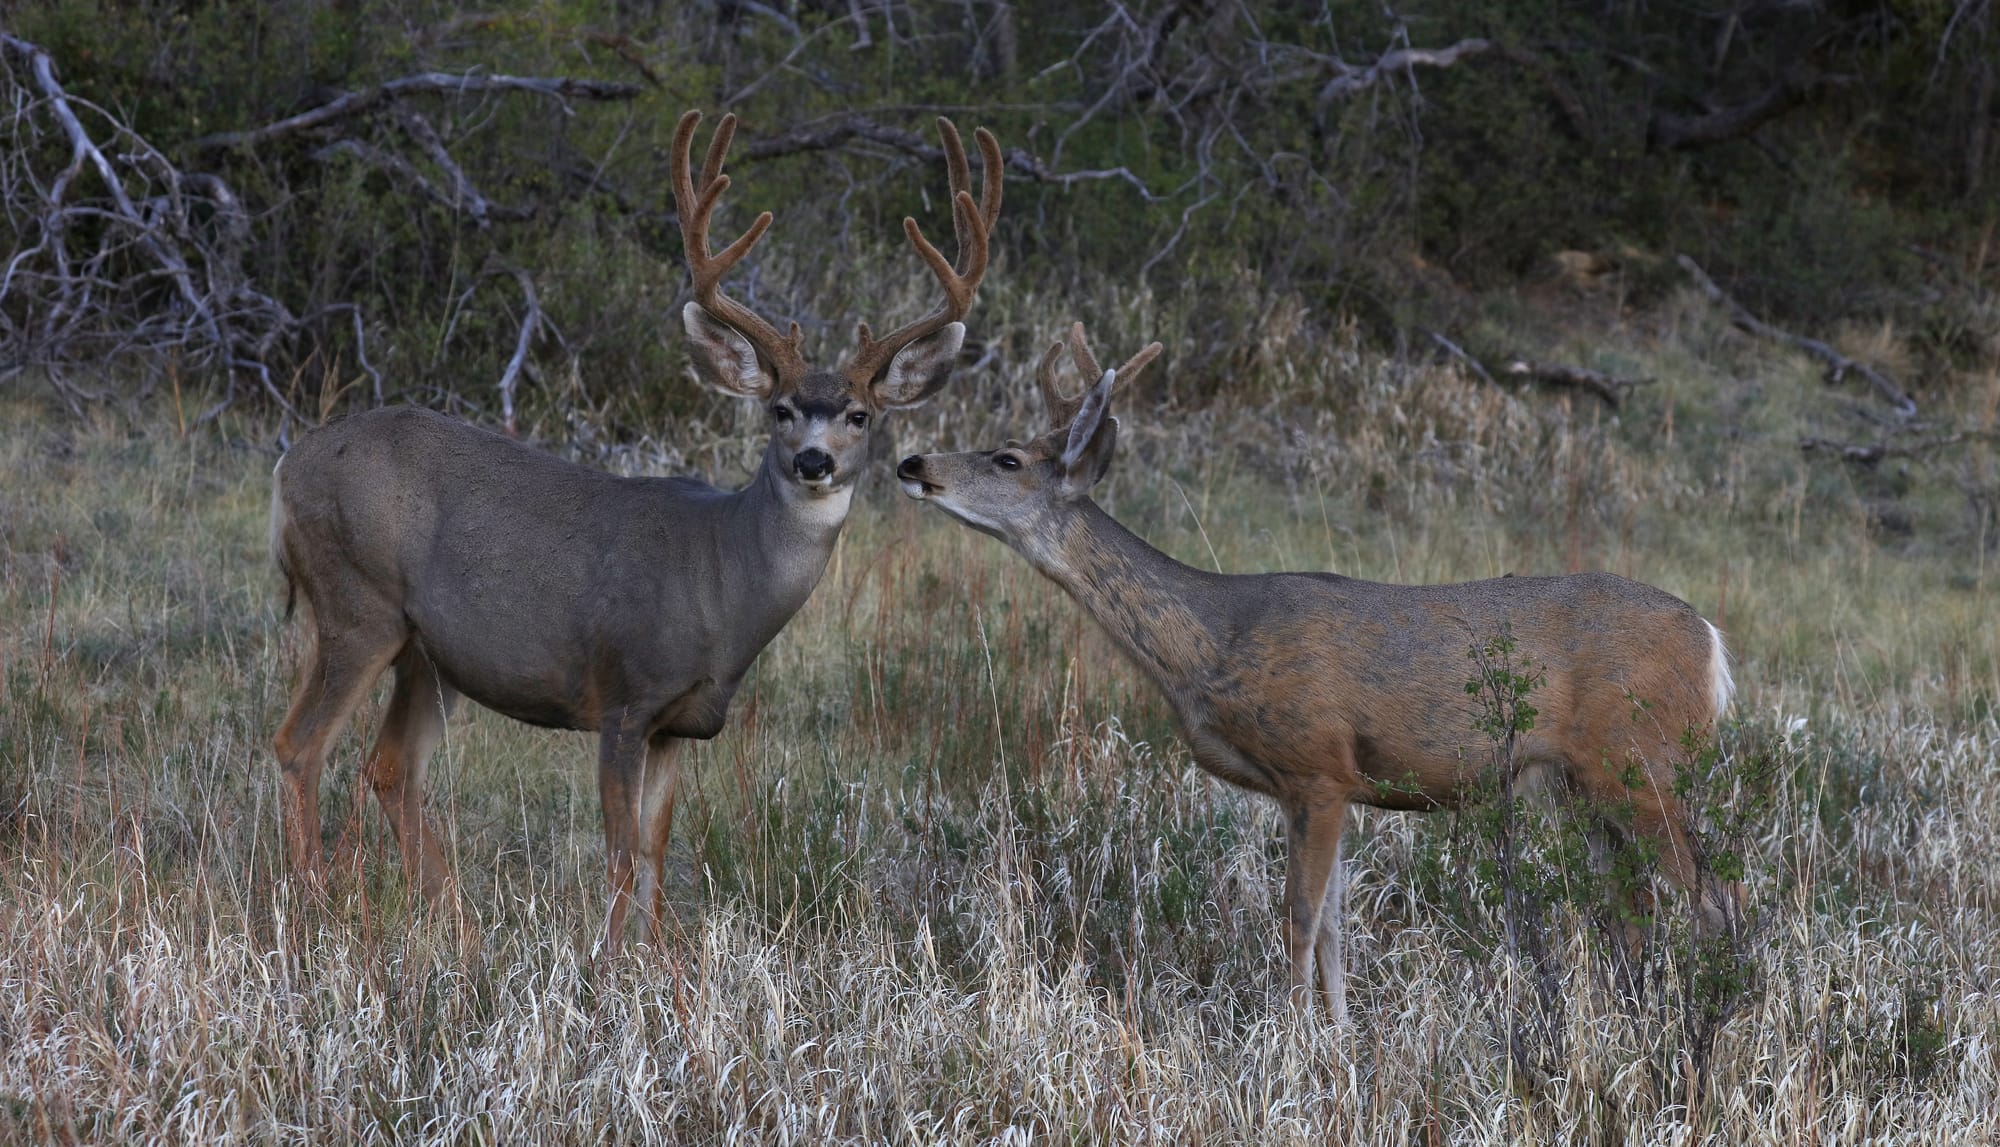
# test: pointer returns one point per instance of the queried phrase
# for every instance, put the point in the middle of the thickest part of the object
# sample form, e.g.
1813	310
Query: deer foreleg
621	756
656	819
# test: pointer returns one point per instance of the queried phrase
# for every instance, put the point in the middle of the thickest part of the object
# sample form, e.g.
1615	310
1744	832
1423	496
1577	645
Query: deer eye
782	413
858	419
1007	462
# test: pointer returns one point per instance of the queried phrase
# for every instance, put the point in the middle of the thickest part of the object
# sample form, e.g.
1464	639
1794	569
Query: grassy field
949	876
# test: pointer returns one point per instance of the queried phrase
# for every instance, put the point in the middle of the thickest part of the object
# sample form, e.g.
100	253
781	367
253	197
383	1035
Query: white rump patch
278	515
1721	685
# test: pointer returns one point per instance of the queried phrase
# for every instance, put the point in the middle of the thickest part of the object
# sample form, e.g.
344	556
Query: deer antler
1063	407
782	351
971	223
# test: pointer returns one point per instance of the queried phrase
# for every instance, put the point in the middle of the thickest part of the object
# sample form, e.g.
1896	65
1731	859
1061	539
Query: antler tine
1079	350
1063	407
718	148
991	184
707	269
958	177
972	224
1135	365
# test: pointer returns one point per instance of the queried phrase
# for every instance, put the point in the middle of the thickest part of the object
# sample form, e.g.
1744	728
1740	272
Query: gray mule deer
1323	691
566	597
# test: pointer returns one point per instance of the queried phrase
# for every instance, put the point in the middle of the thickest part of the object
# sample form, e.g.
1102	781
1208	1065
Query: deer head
820	419
1011	491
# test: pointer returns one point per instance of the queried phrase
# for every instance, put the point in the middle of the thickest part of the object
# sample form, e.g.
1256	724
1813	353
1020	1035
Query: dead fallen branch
1610	388
1458	352
1838	366
559	88
1870	453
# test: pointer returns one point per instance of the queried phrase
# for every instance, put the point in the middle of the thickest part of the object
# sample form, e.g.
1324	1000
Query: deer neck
1162	613
788	533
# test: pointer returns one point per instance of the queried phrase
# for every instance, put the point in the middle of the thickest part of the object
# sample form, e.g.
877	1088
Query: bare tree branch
560	88
838	131
1349	79
92	294
531	325
1670	132
462	198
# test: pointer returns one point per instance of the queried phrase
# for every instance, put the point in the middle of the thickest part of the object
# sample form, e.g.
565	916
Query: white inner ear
1078	441
911	372
1083	427
731	353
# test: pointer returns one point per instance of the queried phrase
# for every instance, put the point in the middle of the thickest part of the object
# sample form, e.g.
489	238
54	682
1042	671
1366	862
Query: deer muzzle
910	474
813	465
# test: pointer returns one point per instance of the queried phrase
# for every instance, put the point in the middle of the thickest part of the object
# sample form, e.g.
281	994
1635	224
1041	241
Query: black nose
911	467
812	464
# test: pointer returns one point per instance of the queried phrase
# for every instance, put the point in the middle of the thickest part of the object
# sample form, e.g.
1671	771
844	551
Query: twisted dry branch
141	260
123	254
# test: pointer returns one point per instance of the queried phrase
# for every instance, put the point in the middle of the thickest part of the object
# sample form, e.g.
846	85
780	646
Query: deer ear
920	369
722	357
1093	437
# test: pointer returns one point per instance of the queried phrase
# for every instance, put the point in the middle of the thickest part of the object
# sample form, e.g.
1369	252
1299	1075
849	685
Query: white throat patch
826	510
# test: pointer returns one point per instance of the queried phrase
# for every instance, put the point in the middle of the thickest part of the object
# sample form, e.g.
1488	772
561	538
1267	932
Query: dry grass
949	876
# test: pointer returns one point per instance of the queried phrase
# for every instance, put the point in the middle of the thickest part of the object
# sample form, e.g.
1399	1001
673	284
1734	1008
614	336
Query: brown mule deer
1323	691
566	597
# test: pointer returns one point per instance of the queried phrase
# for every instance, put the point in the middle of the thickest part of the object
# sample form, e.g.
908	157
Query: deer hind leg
411	730
656	819
345	663
1313	827
621	756
1331	949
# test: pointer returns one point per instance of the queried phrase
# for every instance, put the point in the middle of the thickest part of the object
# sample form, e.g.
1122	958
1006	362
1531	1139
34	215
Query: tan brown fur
1322	691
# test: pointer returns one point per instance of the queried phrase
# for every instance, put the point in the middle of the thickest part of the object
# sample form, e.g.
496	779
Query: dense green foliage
1257	157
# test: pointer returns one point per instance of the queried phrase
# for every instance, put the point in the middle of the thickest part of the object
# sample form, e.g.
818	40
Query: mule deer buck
1322	691
569	598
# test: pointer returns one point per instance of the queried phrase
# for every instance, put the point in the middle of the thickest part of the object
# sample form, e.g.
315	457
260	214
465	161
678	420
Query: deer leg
656	819
1331	948
1718	903
411	731
1605	841
1313	829
344	667
620	762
